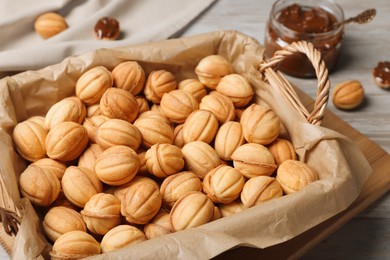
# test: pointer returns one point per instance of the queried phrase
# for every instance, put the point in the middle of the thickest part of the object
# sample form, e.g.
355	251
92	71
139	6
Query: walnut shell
237	88
59	220
39	185
193	87
176	185
260	189
92	124
294	175
228	138
177	105
211	69
348	94
79	184
29	138
66	141
88	158
142	104
160	225
220	105
101	213
254	160
260	124
191	210
223	184
141	201
75	245
119	103
50	24
201	125
163	160
158	83
121	236
231	208
200	157
154	131
68	109
130	76
54	166
282	150
117	165
92	84
115	132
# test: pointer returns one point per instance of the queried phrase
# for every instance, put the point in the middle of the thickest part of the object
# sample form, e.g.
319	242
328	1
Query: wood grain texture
366	236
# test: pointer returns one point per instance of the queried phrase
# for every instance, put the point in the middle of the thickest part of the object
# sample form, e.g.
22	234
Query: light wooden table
367	236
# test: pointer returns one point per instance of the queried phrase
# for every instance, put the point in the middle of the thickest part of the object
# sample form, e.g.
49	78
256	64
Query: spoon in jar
363	17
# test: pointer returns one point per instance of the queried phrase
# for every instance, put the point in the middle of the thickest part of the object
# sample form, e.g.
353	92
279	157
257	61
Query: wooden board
375	187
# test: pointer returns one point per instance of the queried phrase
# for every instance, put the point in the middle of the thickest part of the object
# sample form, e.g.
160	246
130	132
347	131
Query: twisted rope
277	79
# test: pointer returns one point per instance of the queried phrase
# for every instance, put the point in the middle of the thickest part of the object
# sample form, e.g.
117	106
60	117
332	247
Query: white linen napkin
141	21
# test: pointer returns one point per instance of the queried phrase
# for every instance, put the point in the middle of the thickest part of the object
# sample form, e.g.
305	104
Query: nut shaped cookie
260	124
228	138
88	158
92	124
154	130
220	105
141	201
260	189
75	244
191	210
66	141
201	125
119	103
158	83
79	184
54	166
119	191
68	109
200	158
177	105
159	225
231	208
348	94
29	138
193	87
176	185
117	165
39	185
163	160
142	104
121	236
211	69
115	132
101	213
92	84
223	184
178	139
130	76
49	24
282	150
254	160
60	220
294	175
237	88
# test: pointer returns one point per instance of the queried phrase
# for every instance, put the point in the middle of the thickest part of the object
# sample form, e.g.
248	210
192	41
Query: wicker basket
11	216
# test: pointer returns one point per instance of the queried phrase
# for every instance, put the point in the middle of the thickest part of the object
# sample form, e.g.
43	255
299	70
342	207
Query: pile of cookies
133	156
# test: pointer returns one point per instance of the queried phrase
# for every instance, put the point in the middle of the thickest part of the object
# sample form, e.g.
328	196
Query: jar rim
332	4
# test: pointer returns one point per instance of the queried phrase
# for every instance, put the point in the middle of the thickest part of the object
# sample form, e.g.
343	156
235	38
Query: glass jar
307	20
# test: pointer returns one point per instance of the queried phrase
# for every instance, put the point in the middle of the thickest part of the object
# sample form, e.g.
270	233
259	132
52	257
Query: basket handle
276	79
